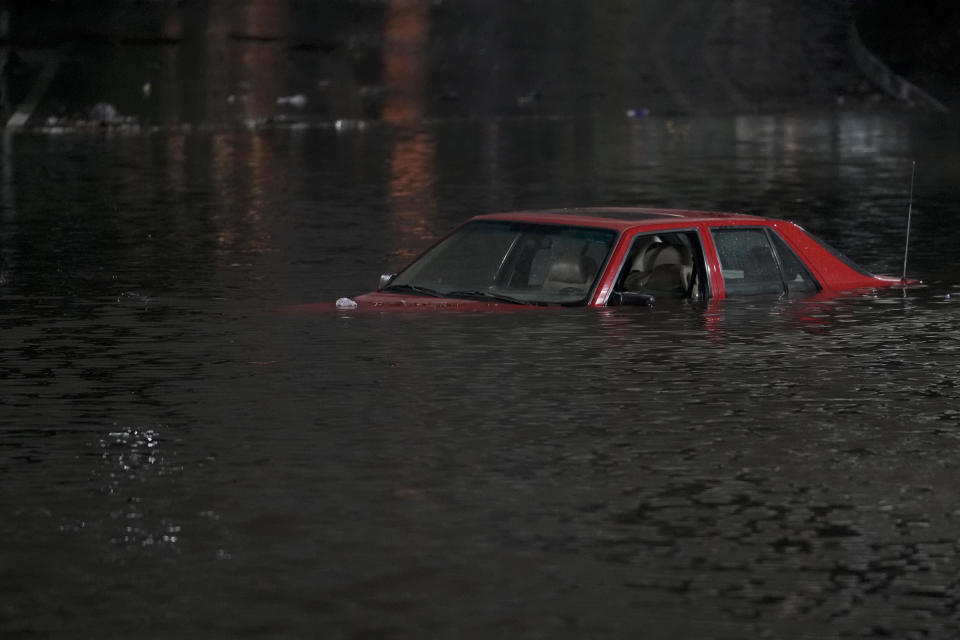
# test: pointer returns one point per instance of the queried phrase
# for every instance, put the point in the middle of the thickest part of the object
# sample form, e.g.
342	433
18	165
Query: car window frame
769	234
699	257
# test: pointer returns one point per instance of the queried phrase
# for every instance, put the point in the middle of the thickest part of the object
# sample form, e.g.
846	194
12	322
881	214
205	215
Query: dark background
227	63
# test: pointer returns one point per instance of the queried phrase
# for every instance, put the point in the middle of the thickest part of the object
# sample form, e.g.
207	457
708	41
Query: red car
600	257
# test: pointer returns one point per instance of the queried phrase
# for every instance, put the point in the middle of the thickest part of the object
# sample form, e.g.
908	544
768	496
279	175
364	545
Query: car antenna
906	248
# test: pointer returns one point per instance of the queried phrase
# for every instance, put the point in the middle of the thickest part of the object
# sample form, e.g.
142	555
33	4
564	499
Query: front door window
663	265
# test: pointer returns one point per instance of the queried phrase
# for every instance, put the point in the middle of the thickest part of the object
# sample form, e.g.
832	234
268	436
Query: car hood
397	302
380	300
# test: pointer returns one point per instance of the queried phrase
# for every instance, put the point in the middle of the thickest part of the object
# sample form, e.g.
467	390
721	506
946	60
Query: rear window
838	255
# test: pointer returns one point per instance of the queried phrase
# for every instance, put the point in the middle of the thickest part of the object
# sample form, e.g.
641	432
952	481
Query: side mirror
385	279
632	298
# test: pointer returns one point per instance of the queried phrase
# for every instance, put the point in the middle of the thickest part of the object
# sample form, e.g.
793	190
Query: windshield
511	262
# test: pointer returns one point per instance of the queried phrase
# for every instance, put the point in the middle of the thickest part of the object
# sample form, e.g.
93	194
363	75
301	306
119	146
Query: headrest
665	254
655	254
641	262
573	270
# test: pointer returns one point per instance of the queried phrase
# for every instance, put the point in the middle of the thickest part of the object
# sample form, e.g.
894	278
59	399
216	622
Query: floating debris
104	113
297	101
346	124
528	99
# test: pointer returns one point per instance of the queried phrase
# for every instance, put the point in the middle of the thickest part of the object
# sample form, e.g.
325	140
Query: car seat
659	268
570	272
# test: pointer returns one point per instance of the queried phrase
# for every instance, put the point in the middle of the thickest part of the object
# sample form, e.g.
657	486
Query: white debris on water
297	101
136	298
347	124
371	90
346	303
103	112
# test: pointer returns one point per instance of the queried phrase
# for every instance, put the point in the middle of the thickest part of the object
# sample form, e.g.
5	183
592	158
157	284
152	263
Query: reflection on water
405	33
412	155
730	469
132	458
412	199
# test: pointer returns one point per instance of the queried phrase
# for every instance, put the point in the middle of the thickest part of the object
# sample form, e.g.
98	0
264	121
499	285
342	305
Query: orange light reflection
412	154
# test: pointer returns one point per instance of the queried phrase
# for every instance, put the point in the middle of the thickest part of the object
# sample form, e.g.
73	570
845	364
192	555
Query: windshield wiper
412	288
474	294
490	295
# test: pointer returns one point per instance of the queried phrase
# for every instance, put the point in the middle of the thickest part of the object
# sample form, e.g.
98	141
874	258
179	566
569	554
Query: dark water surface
178	456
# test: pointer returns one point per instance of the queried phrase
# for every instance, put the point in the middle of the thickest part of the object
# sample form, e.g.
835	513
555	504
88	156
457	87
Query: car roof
616	217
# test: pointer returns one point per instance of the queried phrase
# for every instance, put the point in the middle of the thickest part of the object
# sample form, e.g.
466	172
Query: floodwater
179	456
177	453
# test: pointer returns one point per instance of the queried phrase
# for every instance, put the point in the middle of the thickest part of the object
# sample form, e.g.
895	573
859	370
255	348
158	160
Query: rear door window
757	261
796	277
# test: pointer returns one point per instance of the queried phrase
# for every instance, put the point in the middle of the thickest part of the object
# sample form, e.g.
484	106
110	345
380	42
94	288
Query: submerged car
600	257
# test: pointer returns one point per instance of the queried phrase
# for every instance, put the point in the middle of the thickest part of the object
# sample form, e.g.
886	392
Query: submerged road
218	63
